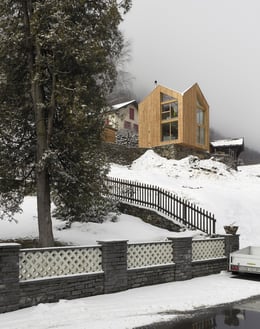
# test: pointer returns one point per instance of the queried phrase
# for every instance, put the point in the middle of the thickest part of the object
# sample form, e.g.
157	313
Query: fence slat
163	201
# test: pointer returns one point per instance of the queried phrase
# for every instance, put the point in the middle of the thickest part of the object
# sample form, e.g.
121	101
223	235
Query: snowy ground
132	308
232	196
126	227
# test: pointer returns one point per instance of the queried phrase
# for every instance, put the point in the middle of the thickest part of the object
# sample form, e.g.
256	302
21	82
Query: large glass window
169	118
200	117
201	135
166	98
200	124
169	110
169	131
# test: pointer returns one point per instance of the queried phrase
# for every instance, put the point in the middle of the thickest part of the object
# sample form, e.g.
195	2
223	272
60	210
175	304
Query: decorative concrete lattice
41	263
149	254
208	249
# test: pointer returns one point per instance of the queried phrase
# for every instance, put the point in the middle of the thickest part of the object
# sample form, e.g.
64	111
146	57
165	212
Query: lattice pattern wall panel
36	263
208	249
149	254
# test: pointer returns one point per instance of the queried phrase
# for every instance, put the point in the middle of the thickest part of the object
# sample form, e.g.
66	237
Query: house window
169	118
131	113
200	125
166	98
200	116
169	110
127	125
135	128
170	131
201	135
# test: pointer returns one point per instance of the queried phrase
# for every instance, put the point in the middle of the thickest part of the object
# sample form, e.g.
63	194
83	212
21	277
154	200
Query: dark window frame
131	113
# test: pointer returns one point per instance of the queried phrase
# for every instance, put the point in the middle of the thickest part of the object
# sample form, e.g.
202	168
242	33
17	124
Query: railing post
9	277
184	211
158	199
182	257
214	224
231	243
114	264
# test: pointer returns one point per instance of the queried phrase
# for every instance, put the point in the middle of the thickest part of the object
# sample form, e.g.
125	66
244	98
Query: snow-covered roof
228	142
119	106
177	91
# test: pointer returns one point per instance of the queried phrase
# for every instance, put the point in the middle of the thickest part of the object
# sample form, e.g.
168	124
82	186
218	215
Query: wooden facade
109	135
170	117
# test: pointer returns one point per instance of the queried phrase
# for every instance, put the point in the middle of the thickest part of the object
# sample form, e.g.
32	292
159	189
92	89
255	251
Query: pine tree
57	65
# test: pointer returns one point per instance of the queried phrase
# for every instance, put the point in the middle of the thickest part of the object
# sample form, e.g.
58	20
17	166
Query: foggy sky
215	43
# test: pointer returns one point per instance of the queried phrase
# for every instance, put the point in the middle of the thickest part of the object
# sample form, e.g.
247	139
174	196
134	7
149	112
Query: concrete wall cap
111	241
9	245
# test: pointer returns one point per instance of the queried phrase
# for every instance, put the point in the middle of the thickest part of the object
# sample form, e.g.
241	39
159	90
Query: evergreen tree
57	65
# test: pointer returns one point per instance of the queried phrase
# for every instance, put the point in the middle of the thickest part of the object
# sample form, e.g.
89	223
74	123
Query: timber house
167	116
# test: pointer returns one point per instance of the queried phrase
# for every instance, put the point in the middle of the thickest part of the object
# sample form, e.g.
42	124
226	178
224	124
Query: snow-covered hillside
233	196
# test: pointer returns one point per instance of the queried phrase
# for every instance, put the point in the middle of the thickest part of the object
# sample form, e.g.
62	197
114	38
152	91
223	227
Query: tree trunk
42	176
44	209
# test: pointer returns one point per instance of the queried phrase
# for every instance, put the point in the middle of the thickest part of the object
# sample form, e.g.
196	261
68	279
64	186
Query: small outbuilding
230	146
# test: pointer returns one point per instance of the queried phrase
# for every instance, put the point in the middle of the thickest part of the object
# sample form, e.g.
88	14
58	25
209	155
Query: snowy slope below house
125	227
233	196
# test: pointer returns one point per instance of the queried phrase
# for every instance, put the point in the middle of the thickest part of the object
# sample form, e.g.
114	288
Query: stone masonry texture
15	294
9	277
114	263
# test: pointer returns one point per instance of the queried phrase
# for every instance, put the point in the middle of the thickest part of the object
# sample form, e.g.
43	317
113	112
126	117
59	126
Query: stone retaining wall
149	216
124	155
152	275
207	267
52	290
9	277
115	275
178	152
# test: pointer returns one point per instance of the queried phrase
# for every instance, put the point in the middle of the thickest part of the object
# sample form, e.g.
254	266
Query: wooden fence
164	202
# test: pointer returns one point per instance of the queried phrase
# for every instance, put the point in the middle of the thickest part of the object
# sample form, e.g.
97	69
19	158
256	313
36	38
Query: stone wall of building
124	155
121	154
178	152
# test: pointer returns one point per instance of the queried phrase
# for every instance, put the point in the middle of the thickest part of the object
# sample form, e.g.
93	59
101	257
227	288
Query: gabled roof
194	86
121	105
198	90
160	87
177	91
228	142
